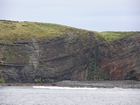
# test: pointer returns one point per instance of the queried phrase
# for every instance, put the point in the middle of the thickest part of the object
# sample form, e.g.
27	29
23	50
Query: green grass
110	35
14	30
11	31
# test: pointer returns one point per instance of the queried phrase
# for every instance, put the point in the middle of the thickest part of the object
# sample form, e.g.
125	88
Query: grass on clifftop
14	30
110	35
11	31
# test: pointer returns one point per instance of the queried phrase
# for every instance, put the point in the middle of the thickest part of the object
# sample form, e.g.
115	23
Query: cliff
120	58
40	52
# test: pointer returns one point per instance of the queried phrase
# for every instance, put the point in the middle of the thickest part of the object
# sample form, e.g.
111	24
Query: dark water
68	96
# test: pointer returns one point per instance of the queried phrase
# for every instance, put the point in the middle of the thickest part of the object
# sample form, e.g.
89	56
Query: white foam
117	88
70	88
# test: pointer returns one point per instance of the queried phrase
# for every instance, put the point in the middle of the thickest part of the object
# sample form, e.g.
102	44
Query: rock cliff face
61	58
72	56
120	59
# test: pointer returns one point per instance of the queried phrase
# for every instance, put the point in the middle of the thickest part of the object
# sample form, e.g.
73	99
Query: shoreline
89	84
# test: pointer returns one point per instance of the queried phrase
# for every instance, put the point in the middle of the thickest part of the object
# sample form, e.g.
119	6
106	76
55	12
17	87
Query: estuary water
43	95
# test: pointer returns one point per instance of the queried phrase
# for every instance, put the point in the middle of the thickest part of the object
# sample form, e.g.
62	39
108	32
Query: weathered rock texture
68	58
120	59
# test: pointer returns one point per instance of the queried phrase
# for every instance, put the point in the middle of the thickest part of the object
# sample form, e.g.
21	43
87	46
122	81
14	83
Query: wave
70	88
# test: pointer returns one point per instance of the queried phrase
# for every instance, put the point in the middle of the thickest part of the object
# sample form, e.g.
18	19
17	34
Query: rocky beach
88	84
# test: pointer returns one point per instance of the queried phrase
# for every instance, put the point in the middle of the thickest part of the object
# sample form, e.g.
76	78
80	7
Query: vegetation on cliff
2	80
11	31
44	52
112	35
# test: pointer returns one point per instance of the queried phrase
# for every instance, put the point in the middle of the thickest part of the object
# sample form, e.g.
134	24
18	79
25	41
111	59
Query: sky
96	15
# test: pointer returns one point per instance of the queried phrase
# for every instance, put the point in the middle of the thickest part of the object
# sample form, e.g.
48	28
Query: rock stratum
75	55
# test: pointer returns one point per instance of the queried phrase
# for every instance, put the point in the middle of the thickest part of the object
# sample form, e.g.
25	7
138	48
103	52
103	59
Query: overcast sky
96	15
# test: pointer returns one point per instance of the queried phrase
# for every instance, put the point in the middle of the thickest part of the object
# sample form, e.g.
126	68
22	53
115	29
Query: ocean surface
42	95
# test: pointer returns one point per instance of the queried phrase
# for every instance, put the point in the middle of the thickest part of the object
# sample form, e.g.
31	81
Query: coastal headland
45	53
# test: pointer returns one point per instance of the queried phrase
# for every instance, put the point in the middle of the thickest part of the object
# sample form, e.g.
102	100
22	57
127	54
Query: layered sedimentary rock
69	57
61	58
120	59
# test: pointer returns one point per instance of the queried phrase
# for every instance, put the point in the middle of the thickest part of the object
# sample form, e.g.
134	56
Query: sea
51	95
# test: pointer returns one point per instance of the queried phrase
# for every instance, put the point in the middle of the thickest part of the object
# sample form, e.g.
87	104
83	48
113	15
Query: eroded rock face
120	59
68	58
62	58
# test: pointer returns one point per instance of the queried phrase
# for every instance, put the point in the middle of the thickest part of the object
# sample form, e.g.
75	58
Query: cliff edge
40	52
